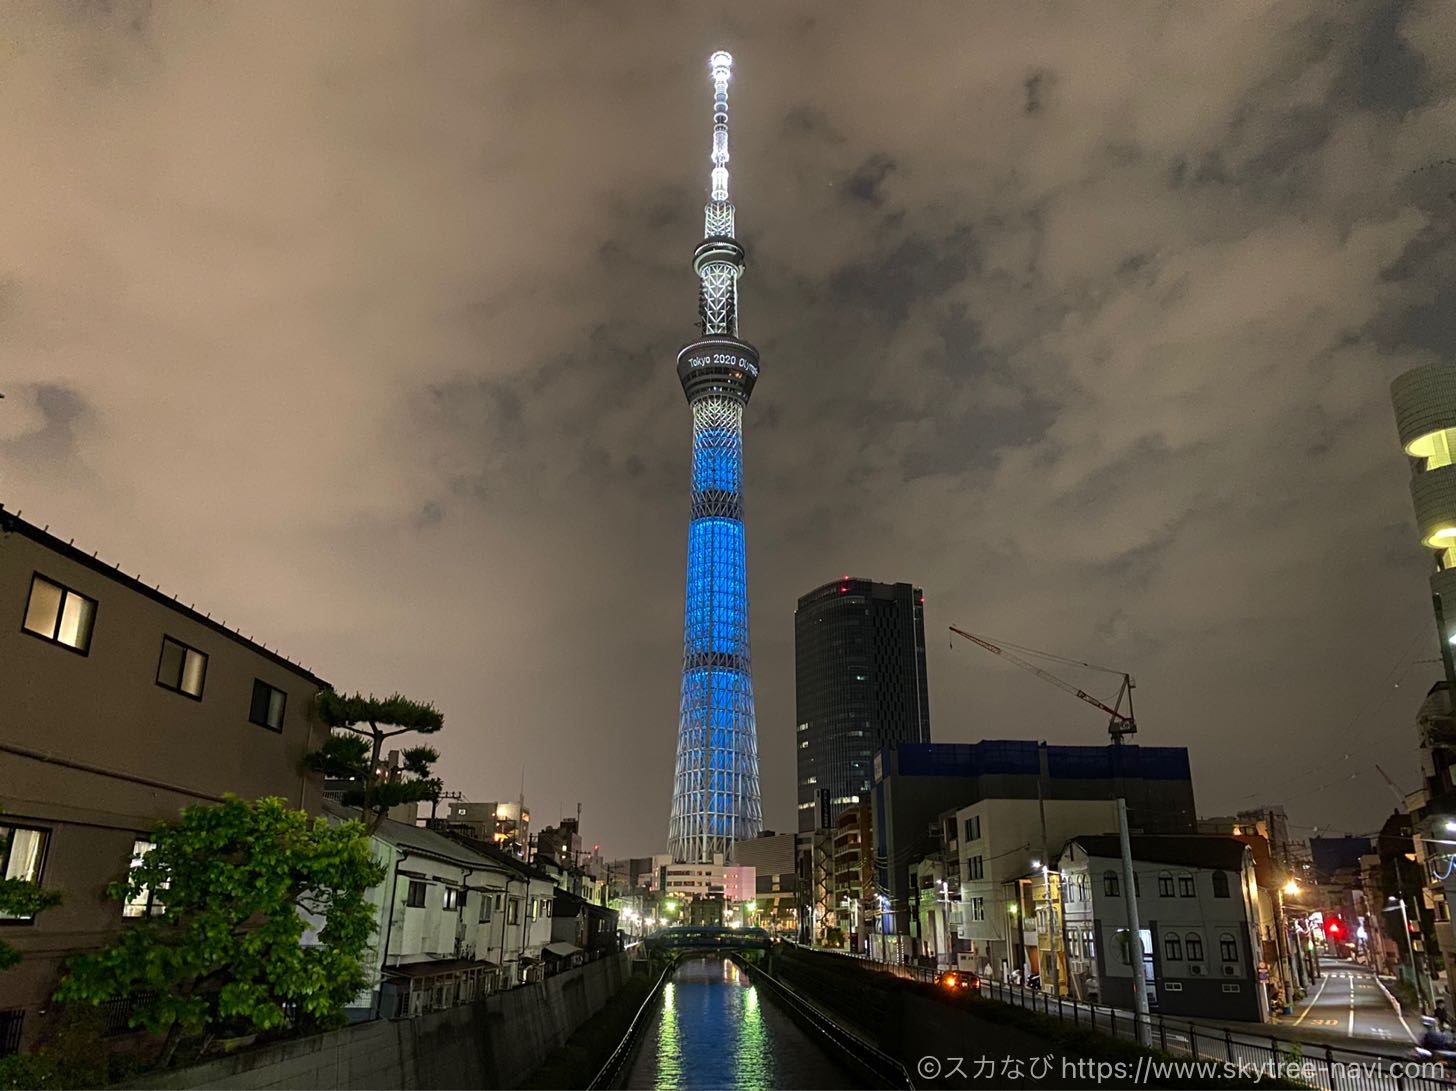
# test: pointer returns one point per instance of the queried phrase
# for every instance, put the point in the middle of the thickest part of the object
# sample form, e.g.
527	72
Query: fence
1321	1065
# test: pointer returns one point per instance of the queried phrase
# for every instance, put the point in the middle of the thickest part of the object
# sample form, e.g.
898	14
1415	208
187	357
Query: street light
1409	946
1292	887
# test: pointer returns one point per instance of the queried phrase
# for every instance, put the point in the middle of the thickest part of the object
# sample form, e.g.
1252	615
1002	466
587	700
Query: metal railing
1322	1065
612	1069
871	1058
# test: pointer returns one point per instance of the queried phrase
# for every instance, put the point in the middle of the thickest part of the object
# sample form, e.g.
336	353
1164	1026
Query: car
959	982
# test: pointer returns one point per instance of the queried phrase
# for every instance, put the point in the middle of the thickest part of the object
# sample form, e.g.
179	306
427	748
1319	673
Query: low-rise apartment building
122	705
1197	900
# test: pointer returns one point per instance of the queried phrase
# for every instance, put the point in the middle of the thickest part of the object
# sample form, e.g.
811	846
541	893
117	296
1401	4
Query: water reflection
713	1031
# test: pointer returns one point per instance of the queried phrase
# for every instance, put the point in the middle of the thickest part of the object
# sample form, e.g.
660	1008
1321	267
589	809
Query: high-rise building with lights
859	686
715	798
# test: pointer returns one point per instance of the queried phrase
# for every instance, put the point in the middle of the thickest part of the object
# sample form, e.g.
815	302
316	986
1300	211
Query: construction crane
1119	725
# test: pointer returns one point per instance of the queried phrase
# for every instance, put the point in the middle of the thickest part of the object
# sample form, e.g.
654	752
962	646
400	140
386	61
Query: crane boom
1120	724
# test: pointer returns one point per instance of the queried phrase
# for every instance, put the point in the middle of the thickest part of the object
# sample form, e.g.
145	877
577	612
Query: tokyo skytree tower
715	799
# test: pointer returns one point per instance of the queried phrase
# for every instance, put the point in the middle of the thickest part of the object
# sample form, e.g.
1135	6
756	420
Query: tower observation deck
715	796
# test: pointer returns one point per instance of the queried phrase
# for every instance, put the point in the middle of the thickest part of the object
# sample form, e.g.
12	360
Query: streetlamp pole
1411	949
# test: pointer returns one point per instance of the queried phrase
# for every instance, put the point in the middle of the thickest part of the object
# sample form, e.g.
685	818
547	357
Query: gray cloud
1083	319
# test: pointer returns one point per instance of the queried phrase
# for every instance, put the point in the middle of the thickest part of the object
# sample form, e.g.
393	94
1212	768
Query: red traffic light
1333	928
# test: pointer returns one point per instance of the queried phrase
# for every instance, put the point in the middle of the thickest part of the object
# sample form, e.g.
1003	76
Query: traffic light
1333	928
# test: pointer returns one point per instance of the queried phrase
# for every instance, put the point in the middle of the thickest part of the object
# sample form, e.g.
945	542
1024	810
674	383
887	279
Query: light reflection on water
712	1031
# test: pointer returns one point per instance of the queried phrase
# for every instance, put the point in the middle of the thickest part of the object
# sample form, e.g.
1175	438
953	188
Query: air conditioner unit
1195	969
1230	971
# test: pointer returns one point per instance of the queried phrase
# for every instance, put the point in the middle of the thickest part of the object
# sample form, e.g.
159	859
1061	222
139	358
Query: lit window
1434	447
146	902
268	705
60	615
804	745
22	855
486	904
182	668
513	914
452	898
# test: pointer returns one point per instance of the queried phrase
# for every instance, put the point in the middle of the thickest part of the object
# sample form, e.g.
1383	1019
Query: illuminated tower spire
715	797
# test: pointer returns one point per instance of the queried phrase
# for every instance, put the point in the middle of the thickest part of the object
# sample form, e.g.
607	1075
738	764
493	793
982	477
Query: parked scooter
1436	1044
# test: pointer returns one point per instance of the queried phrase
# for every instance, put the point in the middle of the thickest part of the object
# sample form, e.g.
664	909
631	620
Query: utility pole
1046	870
1134	928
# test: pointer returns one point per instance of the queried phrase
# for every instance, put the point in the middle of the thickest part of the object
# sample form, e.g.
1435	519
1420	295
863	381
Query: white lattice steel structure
715	796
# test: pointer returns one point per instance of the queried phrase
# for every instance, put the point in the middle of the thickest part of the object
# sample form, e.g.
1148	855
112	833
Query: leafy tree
19	898
366	723
241	883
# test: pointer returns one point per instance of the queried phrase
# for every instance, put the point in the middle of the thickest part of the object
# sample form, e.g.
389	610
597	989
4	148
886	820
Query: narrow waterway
715	1029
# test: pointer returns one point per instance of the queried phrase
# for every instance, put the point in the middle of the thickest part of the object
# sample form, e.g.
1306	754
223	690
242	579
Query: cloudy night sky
355	324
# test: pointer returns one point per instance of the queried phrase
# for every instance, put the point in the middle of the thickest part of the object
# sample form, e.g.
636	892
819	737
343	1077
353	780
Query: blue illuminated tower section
715	799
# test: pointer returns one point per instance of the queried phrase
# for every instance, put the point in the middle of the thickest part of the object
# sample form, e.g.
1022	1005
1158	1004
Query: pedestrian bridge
687	937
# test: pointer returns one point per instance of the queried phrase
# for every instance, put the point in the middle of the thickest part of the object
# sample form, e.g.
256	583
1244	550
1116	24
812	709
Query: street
1348	1006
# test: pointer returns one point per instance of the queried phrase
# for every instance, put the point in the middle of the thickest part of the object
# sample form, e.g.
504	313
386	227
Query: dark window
513	915
977	868
1185	886
1220	884
1228	948
268	705
22	857
973	828
486	903
415	898
1172	949
1165	884
60	615
1195	947
147	903
182	669
1110	885
10	1023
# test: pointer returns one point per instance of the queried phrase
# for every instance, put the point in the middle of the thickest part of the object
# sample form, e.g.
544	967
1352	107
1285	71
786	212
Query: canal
715	1029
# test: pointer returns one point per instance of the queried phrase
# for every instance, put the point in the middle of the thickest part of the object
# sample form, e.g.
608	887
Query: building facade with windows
984	849
859	686
122	706
916	783
453	923
1197	899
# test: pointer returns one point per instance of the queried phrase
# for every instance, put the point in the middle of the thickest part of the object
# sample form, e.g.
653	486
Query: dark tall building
859	672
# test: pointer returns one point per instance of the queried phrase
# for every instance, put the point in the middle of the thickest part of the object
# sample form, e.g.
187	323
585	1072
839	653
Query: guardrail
612	1069
1322	1065
867	1056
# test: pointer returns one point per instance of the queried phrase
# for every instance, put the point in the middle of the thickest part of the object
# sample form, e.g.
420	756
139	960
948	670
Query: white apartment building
996	842
453	924
1197	899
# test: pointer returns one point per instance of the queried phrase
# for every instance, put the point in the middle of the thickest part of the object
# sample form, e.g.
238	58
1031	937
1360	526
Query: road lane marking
1351	1032
1313	1000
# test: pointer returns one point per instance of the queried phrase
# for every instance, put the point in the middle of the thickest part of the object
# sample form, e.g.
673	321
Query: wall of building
860	685
914	784
1208	987
494	1043
95	753
1010	839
